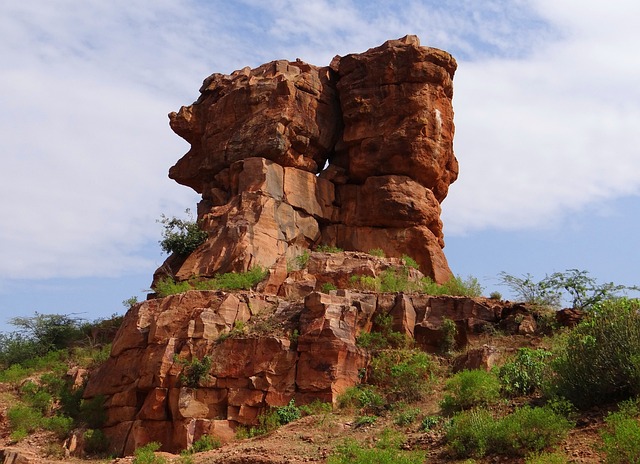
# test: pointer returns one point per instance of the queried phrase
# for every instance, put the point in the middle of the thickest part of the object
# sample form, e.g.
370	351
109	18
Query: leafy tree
49	331
584	290
530	291
180	236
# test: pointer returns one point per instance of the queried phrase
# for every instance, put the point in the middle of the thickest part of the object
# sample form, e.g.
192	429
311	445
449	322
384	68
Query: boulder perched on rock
288	156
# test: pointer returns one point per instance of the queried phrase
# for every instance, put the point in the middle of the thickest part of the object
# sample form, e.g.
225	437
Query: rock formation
287	156
265	350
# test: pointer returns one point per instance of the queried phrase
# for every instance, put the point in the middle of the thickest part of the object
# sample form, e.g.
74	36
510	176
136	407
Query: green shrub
469	389
364	421
449	335
469	433
429	422
240	280
621	435
146	454
495	295
315	407
476	433
406	416
410	262
60	425
599	360
23	420
168	286
530	429
525	373
403	374
288	413
382	335
327	287
195	372
36	397
527	290
303	259
377	252
351	452
363	398
95	442
329	249
456	286
180	236
205	443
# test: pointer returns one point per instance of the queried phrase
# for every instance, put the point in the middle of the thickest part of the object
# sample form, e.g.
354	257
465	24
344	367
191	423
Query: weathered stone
398	119
484	358
283	111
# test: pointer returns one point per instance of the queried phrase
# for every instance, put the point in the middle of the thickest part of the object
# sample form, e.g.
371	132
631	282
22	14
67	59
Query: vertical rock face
261	140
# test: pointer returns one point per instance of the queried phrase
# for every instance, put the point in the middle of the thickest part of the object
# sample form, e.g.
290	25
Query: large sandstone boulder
397	114
261	140
284	111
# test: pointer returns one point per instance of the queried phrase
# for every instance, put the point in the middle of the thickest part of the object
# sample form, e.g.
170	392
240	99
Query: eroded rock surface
261	140
265	349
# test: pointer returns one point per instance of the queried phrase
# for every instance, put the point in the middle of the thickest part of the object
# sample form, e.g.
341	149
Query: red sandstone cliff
261	140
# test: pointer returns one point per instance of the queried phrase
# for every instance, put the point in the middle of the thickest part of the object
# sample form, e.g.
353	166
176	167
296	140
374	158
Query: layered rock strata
287	156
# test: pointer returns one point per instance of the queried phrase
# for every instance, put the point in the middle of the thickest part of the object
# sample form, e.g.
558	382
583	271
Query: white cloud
546	109
543	136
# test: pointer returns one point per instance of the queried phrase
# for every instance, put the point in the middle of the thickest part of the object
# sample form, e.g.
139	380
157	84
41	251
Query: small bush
303	259
377	252
92	412
364	421
195	371
456	286
240	280
316	407
351	452
205	443
180	236
329	249
621	435
382	336
288	413
495	295
406	416
429	422
403	374
476	433
23	420
410	262
599	360
168	286
146	454
364	398
449	334
530	429
327	287
525	373
60	425
469	389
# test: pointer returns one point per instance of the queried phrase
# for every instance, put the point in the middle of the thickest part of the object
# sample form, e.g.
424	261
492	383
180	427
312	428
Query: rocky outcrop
264	349
287	156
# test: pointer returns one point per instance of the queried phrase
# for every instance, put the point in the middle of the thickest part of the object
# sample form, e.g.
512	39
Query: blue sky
547	113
